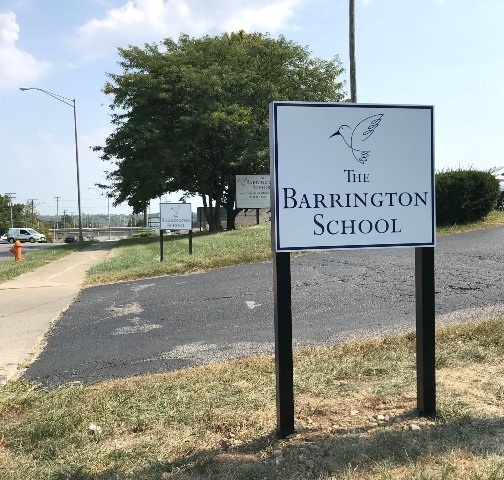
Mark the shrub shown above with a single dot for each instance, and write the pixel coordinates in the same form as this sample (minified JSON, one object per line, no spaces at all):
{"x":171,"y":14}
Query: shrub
{"x":464,"y":196}
{"x":145,"y":234}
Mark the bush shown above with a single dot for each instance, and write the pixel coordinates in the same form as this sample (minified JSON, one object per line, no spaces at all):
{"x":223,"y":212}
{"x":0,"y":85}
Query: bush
{"x":464,"y":196}
{"x":145,"y":234}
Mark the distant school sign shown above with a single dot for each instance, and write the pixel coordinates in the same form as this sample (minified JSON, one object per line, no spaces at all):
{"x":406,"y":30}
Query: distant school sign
{"x":351,"y":176}
{"x":175,"y":216}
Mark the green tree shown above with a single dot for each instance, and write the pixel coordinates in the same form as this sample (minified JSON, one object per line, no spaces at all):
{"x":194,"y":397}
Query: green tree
{"x":20,"y":214}
{"x":192,"y":114}
{"x":4,"y":214}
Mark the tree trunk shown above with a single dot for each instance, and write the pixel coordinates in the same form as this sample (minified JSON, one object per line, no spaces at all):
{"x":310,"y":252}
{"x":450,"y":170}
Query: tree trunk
{"x":231,"y":215}
{"x":229,"y":199}
{"x":212,"y":213}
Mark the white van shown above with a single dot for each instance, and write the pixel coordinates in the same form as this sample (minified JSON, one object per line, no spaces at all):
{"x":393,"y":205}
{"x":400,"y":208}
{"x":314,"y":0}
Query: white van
{"x":25,"y":235}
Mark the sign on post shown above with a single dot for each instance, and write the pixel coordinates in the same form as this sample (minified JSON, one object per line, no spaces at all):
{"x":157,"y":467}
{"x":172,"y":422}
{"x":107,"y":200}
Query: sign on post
{"x":253,"y":191}
{"x":349,"y":176}
{"x":175,"y":216}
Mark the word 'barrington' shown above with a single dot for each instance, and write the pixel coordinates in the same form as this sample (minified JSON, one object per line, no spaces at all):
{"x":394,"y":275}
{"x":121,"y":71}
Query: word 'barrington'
{"x":351,"y":176}
{"x":291,"y":199}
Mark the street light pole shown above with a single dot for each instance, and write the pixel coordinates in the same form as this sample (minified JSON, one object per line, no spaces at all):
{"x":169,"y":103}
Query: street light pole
{"x":71,"y":103}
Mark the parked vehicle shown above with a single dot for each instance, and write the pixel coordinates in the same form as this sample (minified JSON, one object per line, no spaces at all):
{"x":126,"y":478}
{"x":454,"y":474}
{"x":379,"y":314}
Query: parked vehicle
{"x":71,"y":239}
{"x":25,"y":234}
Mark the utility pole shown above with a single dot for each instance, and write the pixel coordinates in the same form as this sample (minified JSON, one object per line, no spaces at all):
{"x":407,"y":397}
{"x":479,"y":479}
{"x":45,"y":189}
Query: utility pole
{"x":32,"y":220}
{"x":353,"y":81}
{"x":10,"y":195}
{"x":108,"y":195}
{"x":56,"y":228}
{"x":57,"y":212}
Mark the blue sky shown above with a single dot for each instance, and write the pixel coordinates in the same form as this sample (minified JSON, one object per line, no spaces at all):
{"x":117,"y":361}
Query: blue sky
{"x":446,"y":53}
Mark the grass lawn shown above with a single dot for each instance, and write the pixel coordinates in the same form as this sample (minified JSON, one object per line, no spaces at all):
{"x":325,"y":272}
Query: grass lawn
{"x":355,"y":402}
{"x":137,"y":258}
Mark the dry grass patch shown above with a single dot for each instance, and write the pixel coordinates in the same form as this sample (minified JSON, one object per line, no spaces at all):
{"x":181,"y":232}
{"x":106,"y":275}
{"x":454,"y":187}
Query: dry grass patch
{"x":494,"y":219}
{"x":480,"y":385}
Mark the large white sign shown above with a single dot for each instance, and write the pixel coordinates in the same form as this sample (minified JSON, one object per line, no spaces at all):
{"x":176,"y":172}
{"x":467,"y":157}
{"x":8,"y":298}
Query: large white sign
{"x":175,"y":216}
{"x":351,"y":175}
{"x":253,"y":191}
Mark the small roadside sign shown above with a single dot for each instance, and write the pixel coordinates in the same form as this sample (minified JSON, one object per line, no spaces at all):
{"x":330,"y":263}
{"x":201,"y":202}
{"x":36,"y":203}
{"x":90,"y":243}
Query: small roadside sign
{"x":175,"y":216}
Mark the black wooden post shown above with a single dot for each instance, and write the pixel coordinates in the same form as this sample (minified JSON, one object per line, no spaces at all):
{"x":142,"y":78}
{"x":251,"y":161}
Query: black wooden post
{"x":425,"y":330}
{"x":257,"y":216}
{"x":161,"y":244}
{"x":190,"y":242}
{"x":283,"y":344}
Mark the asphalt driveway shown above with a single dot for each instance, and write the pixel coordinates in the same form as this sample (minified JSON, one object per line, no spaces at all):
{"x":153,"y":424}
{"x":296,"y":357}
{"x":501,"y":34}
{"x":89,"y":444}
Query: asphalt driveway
{"x":164,"y":324}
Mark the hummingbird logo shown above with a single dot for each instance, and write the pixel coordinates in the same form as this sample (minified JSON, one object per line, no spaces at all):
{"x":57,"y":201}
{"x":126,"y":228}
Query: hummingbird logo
{"x":357,"y":139}
{"x":175,"y":210}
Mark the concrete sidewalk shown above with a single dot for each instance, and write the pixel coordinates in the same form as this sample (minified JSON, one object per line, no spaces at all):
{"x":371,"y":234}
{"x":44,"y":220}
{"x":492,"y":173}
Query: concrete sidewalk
{"x":30,"y":304}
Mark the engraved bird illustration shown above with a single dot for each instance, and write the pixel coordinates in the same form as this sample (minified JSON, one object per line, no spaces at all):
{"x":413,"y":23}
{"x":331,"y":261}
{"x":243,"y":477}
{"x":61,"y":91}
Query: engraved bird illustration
{"x":357,"y":138}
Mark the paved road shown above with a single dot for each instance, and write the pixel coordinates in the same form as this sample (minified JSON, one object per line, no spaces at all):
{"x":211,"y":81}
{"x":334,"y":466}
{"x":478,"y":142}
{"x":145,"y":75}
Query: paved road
{"x":163,"y":324}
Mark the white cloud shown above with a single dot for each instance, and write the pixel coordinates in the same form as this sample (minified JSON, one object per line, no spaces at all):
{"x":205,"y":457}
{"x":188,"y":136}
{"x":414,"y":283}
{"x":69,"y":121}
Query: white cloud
{"x":17,"y":67}
{"x":269,"y":17}
{"x":144,"y":21}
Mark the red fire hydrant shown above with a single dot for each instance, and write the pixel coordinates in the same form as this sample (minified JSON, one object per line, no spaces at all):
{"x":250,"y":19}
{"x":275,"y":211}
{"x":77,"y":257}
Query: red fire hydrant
{"x":17,"y":250}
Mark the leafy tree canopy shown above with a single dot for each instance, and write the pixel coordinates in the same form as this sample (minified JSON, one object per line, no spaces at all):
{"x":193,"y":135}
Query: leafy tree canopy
{"x":192,"y":114}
